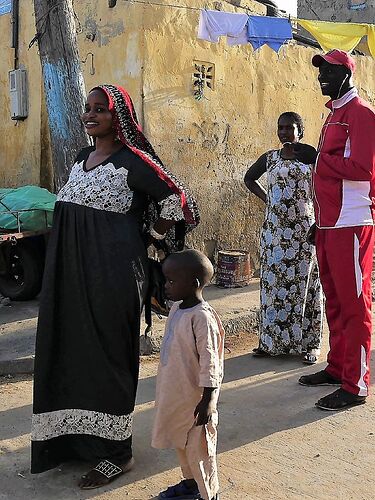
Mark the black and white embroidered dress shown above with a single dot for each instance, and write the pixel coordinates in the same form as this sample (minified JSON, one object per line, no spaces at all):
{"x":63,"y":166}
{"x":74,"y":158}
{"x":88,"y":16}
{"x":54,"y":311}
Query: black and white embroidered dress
{"x":87,"y":349}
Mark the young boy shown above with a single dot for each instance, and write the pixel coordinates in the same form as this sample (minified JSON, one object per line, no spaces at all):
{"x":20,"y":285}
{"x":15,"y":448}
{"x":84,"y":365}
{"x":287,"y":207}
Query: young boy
{"x":189,"y":378}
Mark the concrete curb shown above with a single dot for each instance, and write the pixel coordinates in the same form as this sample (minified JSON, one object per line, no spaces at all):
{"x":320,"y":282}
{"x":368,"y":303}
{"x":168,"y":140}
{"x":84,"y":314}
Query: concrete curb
{"x":241,"y":323}
{"x":23,"y":366}
{"x":148,"y":345}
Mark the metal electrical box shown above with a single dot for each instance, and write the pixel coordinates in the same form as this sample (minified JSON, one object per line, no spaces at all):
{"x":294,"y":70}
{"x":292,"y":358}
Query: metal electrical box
{"x":18,"y":94}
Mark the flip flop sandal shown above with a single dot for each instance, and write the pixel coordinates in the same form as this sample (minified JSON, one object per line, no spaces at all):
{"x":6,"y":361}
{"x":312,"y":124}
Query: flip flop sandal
{"x":340,"y":400}
{"x":259,"y":353}
{"x":310,"y":359}
{"x":110,"y":471}
{"x":180,"y":491}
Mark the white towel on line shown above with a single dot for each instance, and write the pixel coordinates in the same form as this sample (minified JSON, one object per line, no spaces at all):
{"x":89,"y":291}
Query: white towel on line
{"x":213,"y":24}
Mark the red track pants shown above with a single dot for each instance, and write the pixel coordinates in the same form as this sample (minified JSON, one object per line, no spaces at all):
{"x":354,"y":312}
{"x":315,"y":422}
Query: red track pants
{"x":345,"y":258}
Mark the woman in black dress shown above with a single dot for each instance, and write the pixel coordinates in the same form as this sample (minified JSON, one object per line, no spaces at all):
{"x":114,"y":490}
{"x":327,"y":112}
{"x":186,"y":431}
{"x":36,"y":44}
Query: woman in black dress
{"x":119,"y":198}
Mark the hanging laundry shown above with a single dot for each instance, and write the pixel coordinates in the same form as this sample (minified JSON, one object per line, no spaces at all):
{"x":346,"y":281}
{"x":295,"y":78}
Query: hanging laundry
{"x":271,"y":31}
{"x":213,"y":24}
{"x":343,"y":36}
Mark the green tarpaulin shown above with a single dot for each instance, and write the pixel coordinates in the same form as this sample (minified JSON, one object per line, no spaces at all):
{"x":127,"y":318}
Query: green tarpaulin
{"x":31,"y":206}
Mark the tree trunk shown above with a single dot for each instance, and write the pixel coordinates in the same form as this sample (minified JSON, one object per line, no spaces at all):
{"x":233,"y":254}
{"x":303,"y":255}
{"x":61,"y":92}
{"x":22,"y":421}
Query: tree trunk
{"x":63,"y":82}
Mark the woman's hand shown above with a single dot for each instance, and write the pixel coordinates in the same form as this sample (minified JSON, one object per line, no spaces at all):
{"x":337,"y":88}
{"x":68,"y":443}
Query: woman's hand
{"x":151,"y":241}
{"x":162,"y":226}
{"x":158,"y":232}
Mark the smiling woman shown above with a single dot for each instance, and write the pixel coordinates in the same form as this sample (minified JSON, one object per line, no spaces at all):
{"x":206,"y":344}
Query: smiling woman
{"x":119,"y":199}
{"x":98,"y":122}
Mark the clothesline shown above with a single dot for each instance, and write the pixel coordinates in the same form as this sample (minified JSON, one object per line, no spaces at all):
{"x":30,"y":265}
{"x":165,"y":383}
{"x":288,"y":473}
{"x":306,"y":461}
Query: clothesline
{"x":151,"y":3}
{"x":241,"y":29}
{"x":164,"y":5}
{"x":329,"y":35}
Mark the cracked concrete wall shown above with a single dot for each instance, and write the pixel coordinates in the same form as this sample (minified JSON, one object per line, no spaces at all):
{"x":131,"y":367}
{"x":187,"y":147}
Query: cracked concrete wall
{"x":210,"y":143}
{"x":352,"y":11}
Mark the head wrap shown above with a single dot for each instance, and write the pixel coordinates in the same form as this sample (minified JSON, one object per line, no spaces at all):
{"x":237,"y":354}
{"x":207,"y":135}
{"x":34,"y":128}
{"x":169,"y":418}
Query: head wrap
{"x":130,"y":134}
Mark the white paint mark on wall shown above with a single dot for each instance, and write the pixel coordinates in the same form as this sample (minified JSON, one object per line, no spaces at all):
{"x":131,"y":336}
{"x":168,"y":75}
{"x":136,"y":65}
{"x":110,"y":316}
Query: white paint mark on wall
{"x":133,"y":61}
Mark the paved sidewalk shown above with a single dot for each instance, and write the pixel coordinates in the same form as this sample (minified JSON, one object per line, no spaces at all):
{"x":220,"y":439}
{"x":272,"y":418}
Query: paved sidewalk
{"x":237,"y":307}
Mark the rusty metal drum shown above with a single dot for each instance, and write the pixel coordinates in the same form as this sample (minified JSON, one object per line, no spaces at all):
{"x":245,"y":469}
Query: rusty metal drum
{"x":233,"y":268}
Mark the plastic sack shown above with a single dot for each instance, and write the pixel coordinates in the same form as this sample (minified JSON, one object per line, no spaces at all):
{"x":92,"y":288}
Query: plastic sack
{"x":28,"y":208}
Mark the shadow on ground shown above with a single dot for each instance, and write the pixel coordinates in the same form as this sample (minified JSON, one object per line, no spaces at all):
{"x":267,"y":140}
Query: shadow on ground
{"x":19,"y":311}
{"x":260,"y":397}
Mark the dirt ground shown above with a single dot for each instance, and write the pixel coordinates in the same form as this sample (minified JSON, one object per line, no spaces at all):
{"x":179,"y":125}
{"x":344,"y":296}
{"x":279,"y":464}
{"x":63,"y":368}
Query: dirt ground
{"x":273,"y":443}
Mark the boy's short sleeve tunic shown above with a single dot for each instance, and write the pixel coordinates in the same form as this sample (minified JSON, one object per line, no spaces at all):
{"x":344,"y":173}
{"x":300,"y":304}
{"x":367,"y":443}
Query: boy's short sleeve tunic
{"x":191,"y":358}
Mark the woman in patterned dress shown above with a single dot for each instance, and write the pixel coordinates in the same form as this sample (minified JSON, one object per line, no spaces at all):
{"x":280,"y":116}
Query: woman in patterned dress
{"x":290,"y":291}
{"x":95,"y":283}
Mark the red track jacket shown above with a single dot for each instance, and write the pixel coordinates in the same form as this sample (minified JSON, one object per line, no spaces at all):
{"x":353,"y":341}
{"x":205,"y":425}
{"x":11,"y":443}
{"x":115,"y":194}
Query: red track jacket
{"x":344,"y":173}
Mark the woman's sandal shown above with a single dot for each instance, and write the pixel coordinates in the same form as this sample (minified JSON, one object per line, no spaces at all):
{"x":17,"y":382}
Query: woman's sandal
{"x":311,"y":357}
{"x":339,"y":400}
{"x":104,"y":473}
{"x":259,"y":353}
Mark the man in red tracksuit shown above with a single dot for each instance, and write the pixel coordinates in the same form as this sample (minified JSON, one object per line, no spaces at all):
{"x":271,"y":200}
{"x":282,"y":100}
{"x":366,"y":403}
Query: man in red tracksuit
{"x":344,"y":190}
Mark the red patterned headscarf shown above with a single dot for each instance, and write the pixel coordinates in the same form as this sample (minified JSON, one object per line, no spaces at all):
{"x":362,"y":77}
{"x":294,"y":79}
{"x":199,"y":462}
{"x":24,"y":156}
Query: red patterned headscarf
{"x":130,"y":134}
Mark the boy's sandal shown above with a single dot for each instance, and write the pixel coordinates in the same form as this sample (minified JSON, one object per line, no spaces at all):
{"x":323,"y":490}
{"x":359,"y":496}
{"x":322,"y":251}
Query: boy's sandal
{"x":259,"y":353}
{"x":180,"y":491}
{"x":339,"y":400}
{"x":319,"y":378}
{"x":310,"y":359}
{"x":104,"y":473}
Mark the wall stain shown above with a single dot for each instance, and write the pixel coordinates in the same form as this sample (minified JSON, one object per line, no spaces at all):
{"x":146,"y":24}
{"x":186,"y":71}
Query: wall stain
{"x":209,"y":133}
{"x":102,"y":33}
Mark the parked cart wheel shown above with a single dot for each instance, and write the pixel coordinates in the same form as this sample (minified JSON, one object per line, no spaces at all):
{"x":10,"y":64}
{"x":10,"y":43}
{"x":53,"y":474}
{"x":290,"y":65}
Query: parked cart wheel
{"x":22,"y":277}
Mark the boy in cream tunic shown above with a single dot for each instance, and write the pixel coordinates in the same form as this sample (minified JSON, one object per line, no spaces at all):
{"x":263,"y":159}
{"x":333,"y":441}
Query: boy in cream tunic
{"x":189,"y":378}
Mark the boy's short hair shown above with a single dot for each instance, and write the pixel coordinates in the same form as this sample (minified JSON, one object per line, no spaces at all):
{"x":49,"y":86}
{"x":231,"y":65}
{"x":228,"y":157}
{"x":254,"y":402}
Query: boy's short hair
{"x":196,"y":263}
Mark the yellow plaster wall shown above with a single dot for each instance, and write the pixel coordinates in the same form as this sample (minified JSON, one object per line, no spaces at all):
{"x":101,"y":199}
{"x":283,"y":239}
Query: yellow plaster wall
{"x":210,"y":143}
{"x":20,"y":141}
{"x":115,"y":38}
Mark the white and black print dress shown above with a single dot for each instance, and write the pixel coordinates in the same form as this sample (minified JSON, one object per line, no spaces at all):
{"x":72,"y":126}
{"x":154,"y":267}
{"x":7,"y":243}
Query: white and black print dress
{"x":87,"y":349}
{"x":291,"y":295}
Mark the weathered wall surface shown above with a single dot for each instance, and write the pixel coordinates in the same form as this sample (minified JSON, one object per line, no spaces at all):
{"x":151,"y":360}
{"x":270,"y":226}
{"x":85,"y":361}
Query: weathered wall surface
{"x":337,"y":10}
{"x":20,"y":140}
{"x":209,"y":143}
{"x":218,"y":137}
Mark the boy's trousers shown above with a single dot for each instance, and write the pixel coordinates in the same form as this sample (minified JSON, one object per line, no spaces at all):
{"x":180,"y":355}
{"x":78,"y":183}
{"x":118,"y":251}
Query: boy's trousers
{"x":198,"y":459}
{"x":345,"y":257}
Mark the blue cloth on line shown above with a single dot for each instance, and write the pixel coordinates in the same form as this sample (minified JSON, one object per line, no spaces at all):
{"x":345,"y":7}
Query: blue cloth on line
{"x":271,"y":31}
